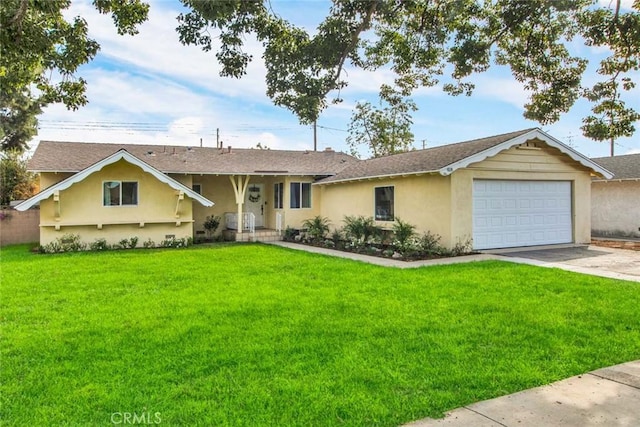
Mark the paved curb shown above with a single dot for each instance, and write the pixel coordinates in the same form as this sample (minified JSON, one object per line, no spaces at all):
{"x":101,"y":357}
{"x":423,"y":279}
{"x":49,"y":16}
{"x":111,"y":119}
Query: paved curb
{"x":605,"y":397}
{"x":388,"y":262}
{"x":385,"y":262}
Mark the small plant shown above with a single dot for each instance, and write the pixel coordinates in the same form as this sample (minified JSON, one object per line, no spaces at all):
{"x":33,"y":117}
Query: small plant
{"x":316,"y":227}
{"x":172,"y":242}
{"x":290,"y":234}
{"x":430,"y":243}
{"x":360,"y":230}
{"x":66,"y":243}
{"x":128,"y":243}
{"x":211,"y":224}
{"x":462,"y":247}
{"x":99,"y":245}
{"x":404,"y":234}
{"x":148,"y":244}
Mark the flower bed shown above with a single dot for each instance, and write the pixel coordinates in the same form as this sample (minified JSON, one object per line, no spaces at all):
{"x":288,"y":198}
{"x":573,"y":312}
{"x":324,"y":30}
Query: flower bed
{"x":361,"y":235}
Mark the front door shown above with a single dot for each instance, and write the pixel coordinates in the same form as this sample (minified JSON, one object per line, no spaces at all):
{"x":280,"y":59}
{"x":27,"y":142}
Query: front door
{"x":254,"y":202}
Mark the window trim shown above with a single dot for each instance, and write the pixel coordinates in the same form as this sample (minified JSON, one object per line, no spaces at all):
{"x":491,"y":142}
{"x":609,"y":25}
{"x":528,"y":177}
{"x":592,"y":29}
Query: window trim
{"x":393,"y":203}
{"x":278,"y":195}
{"x":120,"y":205}
{"x":301,"y":184}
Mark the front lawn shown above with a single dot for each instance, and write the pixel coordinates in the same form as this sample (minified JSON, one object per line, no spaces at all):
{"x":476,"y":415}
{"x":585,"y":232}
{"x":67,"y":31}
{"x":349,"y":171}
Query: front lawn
{"x":255,"y":335}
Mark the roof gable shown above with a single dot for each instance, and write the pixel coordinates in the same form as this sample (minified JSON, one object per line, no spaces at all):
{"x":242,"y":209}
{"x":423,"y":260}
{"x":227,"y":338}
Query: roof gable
{"x":446,"y":159}
{"x":115,"y":157}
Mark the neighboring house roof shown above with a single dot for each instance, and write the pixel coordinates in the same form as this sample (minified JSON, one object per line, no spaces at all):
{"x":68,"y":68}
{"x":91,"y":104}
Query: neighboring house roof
{"x":623,"y":167}
{"x":95,"y":167}
{"x":53,"y":156}
{"x":448,"y":158}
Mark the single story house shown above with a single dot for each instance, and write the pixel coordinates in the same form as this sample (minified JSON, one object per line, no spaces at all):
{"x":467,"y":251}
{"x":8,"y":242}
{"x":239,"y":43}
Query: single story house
{"x":517,"y":189}
{"x":615,"y":202}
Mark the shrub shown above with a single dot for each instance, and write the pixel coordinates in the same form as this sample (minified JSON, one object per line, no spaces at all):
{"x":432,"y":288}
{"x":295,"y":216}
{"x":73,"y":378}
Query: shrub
{"x":360,"y":230}
{"x":316,"y":227}
{"x":148,"y":244}
{"x":66,"y":243}
{"x":462,"y":247}
{"x":172,"y":242}
{"x":99,"y":245}
{"x":404,"y":234}
{"x":290,"y":234}
{"x":211,"y":224}
{"x":128,"y":243}
{"x":429,"y":243}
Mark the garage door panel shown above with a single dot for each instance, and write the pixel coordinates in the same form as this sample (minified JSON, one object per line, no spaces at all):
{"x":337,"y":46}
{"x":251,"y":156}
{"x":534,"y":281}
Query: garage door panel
{"x":521,"y":213}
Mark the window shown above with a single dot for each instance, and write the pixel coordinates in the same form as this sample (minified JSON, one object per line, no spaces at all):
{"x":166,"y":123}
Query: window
{"x":384,"y":203}
{"x":197,"y":188}
{"x":120,"y":193}
{"x":278,"y":195}
{"x":300,"y":195}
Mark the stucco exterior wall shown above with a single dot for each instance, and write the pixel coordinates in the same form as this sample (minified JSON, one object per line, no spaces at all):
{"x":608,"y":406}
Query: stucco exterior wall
{"x":423,"y":201}
{"x":444,"y":204}
{"x":47,"y":179}
{"x":615,"y":208}
{"x":80,"y":209}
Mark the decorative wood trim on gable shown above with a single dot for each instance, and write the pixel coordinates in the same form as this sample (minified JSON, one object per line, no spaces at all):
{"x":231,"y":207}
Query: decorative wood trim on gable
{"x":523,"y":140}
{"x":115,"y":157}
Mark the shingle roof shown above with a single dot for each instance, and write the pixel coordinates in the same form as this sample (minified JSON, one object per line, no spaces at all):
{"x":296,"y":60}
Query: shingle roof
{"x":623,"y":167}
{"x":117,"y":156}
{"x":55,"y":156}
{"x":428,"y":160}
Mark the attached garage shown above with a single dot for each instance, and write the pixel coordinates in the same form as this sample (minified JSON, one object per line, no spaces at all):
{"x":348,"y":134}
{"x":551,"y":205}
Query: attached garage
{"x":511,"y":213}
{"x":523,"y":188}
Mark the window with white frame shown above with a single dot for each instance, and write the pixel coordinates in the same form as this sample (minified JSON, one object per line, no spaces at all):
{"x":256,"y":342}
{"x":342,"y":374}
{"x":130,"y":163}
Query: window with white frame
{"x":120,"y":193}
{"x":384,"y":203}
{"x":300,"y":195}
{"x":278,"y":195}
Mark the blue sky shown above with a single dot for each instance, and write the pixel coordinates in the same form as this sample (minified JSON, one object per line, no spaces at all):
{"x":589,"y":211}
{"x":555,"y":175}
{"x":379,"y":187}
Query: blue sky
{"x":149,"y":89}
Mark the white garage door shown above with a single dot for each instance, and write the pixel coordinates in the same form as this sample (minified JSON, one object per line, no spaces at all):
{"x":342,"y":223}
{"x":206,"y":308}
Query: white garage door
{"x":508,"y":214}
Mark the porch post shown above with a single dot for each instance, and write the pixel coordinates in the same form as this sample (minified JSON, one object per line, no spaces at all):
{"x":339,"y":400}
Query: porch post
{"x":239,"y":188}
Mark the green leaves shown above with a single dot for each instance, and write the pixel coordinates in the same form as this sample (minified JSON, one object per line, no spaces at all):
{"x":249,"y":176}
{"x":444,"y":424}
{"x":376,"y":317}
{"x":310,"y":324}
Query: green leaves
{"x":419,"y":41}
{"x":620,"y":33}
{"x":385,"y":130}
{"x":41,"y":52}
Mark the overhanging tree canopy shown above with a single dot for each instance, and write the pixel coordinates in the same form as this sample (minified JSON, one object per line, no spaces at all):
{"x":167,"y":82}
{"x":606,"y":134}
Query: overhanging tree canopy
{"x":40,"y":52}
{"x":421,"y":41}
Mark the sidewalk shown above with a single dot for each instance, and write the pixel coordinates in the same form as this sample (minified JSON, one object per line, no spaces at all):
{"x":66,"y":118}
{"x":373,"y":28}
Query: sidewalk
{"x":606,"y":397}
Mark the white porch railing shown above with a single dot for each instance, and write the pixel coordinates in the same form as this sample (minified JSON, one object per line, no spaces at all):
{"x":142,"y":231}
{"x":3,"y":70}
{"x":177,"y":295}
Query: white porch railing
{"x":248,"y":221}
{"x":279,"y":222}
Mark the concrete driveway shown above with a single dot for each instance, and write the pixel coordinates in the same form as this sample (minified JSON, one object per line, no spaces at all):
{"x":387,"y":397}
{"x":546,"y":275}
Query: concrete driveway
{"x":595,"y":260}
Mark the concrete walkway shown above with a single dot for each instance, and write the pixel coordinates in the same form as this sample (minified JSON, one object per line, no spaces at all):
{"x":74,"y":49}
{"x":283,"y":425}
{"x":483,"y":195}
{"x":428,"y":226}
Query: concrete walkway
{"x":606,"y":397}
{"x":597,"y":261}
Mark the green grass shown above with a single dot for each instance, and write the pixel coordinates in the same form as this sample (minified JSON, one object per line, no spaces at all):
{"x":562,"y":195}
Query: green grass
{"x":237,"y":335}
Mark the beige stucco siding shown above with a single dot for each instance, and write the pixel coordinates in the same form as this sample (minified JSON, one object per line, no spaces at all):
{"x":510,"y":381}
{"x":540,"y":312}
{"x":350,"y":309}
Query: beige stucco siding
{"x":47,"y":179}
{"x":423,"y":201}
{"x":80,"y":209}
{"x":444,"y":204}
{"x":615,"y":208}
